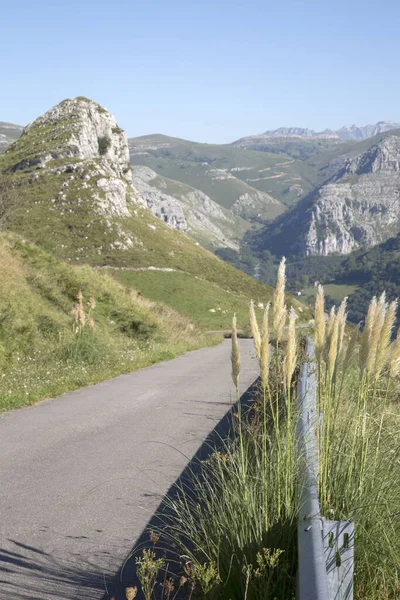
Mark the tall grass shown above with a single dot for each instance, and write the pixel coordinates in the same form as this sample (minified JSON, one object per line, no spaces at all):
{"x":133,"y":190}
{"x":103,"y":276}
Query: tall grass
{"x":359,"y":443}
{"x":233,"y":521}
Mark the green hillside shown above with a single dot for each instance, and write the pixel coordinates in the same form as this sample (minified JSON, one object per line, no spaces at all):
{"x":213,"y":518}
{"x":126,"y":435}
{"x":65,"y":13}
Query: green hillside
{"x":224,"y":172}
{"x":300,"y":148}
{"x":58,"y":210}
{"x":43,"y":354}
{"x":72,"y":223}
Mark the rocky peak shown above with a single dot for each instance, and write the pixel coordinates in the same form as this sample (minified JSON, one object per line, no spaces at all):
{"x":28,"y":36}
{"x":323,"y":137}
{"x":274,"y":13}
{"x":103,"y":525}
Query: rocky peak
{"x":76,"y":128}
{"x":75,"y":155}
{"x":383,"y":157}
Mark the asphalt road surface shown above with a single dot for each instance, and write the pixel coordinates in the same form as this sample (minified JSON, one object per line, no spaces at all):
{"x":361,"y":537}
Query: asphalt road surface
{"x":81,"y":475}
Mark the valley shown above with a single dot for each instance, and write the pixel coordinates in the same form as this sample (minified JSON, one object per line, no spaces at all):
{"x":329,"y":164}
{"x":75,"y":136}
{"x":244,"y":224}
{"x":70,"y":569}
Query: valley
{"x":291,"y":191}
{"x":74,"y":225}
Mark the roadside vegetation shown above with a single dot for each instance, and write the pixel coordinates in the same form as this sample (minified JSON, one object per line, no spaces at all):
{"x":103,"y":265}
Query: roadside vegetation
{"x":63,"y":326}
{"x":232,"y":524}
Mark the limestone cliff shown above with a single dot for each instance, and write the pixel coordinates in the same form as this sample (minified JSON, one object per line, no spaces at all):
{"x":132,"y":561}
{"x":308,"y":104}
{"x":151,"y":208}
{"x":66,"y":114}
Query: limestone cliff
{"x":189,"y":210}
{"x":358,"y":206}
{"x":82,"y":138}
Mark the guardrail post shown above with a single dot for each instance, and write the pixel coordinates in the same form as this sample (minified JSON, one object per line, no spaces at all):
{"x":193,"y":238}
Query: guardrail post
{"x":325,"y":548}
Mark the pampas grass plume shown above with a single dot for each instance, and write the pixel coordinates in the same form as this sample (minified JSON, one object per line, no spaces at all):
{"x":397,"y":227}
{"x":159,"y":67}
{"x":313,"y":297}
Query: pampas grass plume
{"x":382,"y":352}
{"x":255,"y":330}
{"x":235,"y":355}
{"x":329,"y":329}
{"x":279,"y":308}
{"x":365,"y":338}
{"x":351,"y":350}
{"x":265,"y":349}
{"x":376,"y":331}
{"x":319,"y":322}
{"x":290,"y":362}
{"x":342,"y":317}
{"x":333,"y":346}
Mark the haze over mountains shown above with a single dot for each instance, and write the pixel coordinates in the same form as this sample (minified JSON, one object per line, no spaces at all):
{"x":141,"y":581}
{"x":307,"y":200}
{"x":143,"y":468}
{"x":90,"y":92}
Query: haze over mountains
{"x":345,"y":133}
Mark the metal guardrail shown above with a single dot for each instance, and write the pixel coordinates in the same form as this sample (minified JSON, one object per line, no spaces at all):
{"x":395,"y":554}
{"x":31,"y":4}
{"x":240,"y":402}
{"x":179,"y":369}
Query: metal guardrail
{"x":325,"y":548}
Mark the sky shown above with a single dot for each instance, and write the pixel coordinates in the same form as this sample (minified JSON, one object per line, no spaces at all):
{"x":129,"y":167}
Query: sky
{"x":206,"y":70}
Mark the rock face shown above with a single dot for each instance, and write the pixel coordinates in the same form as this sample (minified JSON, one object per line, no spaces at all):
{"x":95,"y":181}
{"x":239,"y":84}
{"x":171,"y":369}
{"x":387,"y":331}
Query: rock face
{"x":187,"y":209}
{"x":82,"y":138}
{"x":358,"y":206}
{"x":250,"y":204}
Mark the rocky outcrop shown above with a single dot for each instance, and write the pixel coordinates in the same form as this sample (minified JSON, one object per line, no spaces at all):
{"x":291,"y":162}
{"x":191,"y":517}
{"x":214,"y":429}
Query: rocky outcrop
{"x":254,"y":204}
{"x":187,"y":209}
{"x":358,"y":206}
{"x":79,"y":136}
{"x":83,"y":129}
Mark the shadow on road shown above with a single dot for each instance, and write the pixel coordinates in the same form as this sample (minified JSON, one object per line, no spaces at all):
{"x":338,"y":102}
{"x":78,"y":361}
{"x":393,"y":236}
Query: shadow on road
{"x":38,"y":575}
{"x":28,"y":573}
{"x":126,"y":576}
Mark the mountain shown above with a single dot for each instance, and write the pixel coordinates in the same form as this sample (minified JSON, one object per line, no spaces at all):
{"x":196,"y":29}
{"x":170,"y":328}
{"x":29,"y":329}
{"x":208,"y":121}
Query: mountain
{"x":8,"y":134}
{"x":358,"y":206}
{"x":71,"y":176}
{"x":304,"y":144}
{"x":253,"y":184}
{"x":352,"y":132}
{"x":189,"y":210}
{"x":300,"y":132}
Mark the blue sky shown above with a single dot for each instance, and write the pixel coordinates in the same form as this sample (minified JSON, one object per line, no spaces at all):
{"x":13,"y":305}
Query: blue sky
{"x":211,"y":71}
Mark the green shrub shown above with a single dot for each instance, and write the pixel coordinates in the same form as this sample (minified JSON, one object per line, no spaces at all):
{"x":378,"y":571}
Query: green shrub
{"x":104,"y":144}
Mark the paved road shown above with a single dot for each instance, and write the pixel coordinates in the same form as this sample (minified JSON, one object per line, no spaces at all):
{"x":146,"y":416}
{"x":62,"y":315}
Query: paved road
{"x":81,"y":475}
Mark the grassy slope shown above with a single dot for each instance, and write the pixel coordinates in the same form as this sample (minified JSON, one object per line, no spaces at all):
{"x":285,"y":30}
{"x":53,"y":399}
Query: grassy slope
{"x":40,"y":356}
{"x":59,"y":214}
{"x":191,"y":163}
{"x":71,"y":230}
{"x":297,"y":147}
{"x":335,"y":291}
{"x":194,"y":297}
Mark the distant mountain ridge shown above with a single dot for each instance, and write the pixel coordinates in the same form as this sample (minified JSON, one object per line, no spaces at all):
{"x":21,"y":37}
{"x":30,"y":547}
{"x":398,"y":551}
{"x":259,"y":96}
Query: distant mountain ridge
{"x":345,"y":133}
